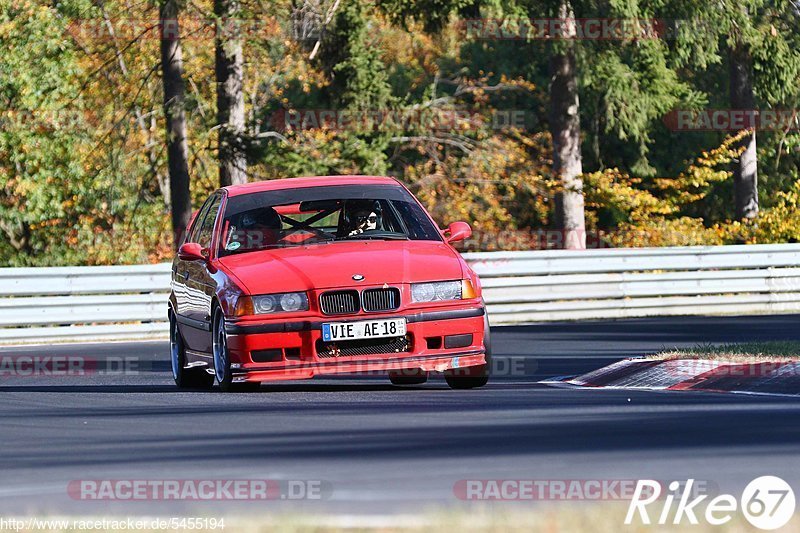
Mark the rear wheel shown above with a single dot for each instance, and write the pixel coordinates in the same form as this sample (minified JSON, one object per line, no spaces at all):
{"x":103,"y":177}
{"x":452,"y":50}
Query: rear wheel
{"x":415,"y":376}
{"x":222,"y":360}
{"x":474,"y":376}
{"x":185,"y":378}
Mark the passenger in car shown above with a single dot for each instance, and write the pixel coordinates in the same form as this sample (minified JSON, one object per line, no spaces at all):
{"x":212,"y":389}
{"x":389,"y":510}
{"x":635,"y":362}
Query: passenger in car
{"x":257,"y":228}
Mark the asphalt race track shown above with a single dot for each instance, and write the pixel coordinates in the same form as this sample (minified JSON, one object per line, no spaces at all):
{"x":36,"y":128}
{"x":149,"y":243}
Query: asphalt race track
{"x":379,"y":448}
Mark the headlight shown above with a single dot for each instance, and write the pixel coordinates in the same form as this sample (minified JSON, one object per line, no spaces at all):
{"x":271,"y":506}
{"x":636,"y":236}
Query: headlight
{"x":436,"y":292}
{"x":272,"y":303}
{"x":294,"y":301}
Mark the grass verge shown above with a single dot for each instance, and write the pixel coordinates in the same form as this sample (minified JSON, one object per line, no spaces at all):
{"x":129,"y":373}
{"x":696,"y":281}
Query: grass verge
{"x":749,"y":352}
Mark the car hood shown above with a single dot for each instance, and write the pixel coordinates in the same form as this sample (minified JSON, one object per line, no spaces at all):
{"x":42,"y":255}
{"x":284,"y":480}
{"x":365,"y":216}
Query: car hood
{"x":324,"y":266}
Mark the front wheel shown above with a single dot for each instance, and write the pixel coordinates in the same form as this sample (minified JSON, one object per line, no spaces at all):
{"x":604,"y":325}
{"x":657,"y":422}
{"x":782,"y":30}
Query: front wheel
{"x":474,"y":376}
{"x":185,"y":378}
{"x":222,"y":360}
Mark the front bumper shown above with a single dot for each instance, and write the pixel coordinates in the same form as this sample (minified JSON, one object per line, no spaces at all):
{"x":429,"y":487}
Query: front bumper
{"x":437,"y":339}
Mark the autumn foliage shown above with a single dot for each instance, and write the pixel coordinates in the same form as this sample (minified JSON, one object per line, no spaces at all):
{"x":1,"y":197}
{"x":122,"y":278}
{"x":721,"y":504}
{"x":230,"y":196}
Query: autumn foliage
{"x":462,"y":122}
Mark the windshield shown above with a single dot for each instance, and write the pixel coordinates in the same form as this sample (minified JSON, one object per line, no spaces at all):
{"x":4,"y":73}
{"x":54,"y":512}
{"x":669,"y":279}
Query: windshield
{"x":313,"y":215}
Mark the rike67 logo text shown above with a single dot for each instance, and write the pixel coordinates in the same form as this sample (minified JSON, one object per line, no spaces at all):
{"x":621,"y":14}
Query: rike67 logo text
{"x":767,"y":503}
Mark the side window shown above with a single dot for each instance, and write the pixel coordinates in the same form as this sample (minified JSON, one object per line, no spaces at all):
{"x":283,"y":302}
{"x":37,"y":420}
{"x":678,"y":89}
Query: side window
{"x":187,"y":235}
{"x":191,"y":236}
{"x":206,"y":232}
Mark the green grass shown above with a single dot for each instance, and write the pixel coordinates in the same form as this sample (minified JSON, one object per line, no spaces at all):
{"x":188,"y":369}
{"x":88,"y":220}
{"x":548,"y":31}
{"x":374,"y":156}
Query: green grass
{"x":777,"y":351}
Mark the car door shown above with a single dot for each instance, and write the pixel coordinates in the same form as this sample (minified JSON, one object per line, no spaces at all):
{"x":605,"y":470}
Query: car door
{"x":180,"y":273}
{"x":200,"y":287}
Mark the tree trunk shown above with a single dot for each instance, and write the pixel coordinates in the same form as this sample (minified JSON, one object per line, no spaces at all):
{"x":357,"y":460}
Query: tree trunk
{"x":230,"y":93}
{"x":566,"y":132}
{"x":745,"y":173}
{"x":174,"y":96}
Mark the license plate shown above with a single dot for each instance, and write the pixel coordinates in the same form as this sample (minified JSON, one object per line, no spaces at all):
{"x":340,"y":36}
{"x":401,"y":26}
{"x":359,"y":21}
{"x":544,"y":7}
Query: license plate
{"x":365,"y":329}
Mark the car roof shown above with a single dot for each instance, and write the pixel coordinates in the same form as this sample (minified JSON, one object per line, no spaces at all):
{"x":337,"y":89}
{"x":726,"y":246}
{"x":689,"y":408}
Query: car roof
{"x":308,"y":181}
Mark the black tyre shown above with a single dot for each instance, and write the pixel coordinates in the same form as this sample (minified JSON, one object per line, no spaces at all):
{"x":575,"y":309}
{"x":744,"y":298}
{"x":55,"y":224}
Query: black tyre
{"x":185,"y":378}
{"x":475,"y":376}
{"x":408,"y":377}
{"x":222,"y":360}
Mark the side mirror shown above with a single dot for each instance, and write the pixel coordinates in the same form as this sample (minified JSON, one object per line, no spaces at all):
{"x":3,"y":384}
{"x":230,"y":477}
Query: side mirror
{"x":458,"y":231}
{"x":191,"y":251}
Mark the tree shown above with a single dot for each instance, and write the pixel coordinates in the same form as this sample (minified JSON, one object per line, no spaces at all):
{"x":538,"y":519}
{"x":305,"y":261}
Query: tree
{"x":229,"y":71}
{"x":760,"y":42}
{"x":43,"y":143}
{"x":174,"y":111}
{"x":565,"y":128}
{"x":352,"y":62}
{"x":764,"y":63}
{"x":745,"y":172}
{"x":625,"y":79}
{"x":629,"y":84}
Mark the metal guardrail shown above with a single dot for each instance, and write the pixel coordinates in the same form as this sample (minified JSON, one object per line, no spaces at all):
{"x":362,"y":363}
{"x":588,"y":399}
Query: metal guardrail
{"x":40,"y":305}
{"x":639,"y":282}
{"x":83,"y":303}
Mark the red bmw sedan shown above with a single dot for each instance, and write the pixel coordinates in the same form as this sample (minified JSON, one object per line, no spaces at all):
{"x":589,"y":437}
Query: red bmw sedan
{"x":292,"y":278}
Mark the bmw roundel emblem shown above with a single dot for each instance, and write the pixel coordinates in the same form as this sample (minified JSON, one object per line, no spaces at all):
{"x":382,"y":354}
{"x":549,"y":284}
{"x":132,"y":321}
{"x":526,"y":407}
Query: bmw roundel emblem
{"x":358,"y":277}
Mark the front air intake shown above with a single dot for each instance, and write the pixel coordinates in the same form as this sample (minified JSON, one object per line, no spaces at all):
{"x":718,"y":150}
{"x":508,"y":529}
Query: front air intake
{"x":339,"y":302}
{"x":375,"y":300}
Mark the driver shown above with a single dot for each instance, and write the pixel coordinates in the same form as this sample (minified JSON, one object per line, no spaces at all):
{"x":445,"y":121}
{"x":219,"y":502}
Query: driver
{"x":364,"y":218}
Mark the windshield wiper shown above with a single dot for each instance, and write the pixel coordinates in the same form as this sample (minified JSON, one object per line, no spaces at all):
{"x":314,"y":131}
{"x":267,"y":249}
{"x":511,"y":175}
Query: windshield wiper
{"x":276,"y":246}
{"x":384,"y":237}
{"x":256,"y":249}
